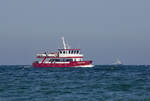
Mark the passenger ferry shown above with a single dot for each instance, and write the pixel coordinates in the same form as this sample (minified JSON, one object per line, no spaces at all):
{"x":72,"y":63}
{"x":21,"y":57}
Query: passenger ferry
{"x":65,"y":57}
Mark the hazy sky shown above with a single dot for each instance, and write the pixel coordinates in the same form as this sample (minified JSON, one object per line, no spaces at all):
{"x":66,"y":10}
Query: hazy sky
{"x":104,"y":29}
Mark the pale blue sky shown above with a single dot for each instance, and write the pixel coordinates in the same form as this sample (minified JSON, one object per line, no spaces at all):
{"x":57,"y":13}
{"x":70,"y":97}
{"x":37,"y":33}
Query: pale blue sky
{"x":103,"y":29}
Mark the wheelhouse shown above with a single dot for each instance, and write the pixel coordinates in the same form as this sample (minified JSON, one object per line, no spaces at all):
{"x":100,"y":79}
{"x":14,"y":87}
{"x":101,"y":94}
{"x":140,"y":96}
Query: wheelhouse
{"x":69,"y":51}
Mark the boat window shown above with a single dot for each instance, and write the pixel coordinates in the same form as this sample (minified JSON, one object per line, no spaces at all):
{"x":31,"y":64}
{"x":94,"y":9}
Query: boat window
{"x":60,"y":60}
{"x":64,"y":60}
{"x":60,"y":51}
{"x":67,"y":60}
{"x":77,"y":51}
{"x":72,"y":52}
{"x":69,"y":52}
{"x":57,"y":60}
{"x":51,"y":60}
{"x":64,"y":52}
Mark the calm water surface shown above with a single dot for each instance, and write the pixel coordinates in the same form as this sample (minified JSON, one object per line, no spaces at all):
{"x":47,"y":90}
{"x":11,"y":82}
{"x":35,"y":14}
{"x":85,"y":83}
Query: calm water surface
{"x":100,"y":83}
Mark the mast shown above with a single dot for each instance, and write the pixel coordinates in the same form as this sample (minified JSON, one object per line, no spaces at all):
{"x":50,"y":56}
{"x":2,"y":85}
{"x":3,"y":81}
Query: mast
{"x":64,"y":44}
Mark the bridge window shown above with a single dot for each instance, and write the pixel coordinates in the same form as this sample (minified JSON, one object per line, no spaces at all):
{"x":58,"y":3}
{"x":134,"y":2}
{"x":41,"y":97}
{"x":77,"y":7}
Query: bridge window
{"x":72,"y":52}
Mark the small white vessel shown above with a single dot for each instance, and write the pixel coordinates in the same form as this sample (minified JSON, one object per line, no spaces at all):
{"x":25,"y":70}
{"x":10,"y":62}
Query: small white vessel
{"x":118,"y":62}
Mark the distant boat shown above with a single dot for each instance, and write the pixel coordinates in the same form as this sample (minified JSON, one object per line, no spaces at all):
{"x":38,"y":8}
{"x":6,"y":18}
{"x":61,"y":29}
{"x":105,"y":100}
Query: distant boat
{"x":118,"y":62}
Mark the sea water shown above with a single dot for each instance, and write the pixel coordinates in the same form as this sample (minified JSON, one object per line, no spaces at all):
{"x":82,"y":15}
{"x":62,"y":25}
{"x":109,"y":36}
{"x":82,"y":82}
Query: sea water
{"x":100,"y":83}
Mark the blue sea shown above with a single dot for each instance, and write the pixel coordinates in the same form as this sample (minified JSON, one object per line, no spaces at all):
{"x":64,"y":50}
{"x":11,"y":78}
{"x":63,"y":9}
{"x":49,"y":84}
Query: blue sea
{"x":100,"y":83}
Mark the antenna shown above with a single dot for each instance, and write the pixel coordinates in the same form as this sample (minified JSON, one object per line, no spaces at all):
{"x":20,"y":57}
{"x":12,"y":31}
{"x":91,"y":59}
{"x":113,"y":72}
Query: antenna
{"x":64,"y":44}
{"x":68,"y":47}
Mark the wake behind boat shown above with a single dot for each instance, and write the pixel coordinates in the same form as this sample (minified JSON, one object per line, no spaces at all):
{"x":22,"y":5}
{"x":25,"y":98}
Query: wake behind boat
{"x":65,"y":57}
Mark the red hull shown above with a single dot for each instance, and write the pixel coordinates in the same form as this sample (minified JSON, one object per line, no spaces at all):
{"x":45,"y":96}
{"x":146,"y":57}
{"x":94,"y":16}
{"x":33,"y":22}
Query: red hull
{"x":71,"y":64}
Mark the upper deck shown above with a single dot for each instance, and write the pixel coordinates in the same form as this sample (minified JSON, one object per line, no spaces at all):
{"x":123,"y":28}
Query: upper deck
{"x":66,"y":52}
{"x":62,"y":53}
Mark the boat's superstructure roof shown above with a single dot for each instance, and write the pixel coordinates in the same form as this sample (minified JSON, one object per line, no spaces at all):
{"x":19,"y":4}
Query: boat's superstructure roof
{"x":67,"y":49}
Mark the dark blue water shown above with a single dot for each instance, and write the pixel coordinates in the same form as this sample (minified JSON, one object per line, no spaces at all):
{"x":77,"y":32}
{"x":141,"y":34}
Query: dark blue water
{"x":100,"y":83}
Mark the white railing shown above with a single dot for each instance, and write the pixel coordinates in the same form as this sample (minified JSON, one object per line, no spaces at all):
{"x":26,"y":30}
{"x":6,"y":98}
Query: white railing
{"x":44,"y":55}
